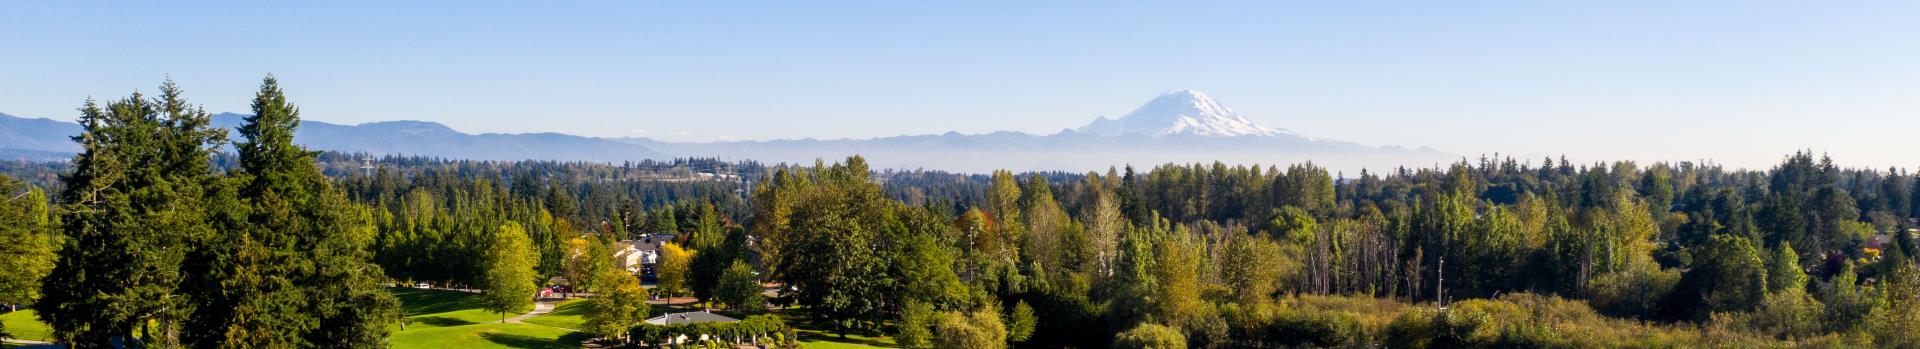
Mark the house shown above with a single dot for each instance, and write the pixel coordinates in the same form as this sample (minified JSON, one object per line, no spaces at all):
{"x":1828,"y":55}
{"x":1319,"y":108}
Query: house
{"x":639,"y":255}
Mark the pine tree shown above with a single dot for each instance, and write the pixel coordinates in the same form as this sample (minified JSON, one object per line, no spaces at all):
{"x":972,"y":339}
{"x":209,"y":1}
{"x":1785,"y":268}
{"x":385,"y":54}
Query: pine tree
{"x":135,"y":206}
{"x":290,"y":265}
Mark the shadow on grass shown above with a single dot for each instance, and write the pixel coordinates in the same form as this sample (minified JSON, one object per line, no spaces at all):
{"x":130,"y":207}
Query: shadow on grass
{"x":818,"y":331}
{"x":437,"y":321}
{"x":571,"y":309}
{"x":817,"y":336}
{"x":420,"y":302}
{"x":525,"y":341}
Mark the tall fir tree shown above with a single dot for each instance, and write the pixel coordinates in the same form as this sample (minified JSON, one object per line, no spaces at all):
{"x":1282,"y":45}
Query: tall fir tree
{"x":136,"y":203}
{"x":290,"y":268}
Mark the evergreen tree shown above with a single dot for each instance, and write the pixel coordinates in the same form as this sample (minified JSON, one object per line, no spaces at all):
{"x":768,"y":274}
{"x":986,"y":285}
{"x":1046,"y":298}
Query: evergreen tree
{"x":134,"y":207}
{"x":290,"y":266}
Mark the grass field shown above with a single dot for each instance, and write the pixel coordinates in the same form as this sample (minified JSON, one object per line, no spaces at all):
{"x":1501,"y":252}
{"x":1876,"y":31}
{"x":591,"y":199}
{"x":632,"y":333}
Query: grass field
{"x":490,"y":335}
{"x":23,"y":326}
{"x":812,"y":337}
{"x":450,"y":319}
{"x":570,"y":313}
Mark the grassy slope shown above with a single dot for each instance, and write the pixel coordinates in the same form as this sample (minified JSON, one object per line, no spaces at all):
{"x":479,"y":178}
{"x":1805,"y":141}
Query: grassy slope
{"x":568,"y":314}
{"x":814,"y":336}
{"x":448,"y":319}
{"x":491,"y":335}
{"x":23,"y":325}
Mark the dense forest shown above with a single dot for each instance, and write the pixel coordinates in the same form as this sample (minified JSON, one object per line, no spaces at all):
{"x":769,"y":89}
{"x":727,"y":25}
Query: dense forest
{"x":183,"y":235}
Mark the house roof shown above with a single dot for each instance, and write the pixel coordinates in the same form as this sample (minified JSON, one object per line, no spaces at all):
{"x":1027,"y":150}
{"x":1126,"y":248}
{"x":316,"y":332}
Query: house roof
{"x":649,"y":242}
{"x":689,"y":318}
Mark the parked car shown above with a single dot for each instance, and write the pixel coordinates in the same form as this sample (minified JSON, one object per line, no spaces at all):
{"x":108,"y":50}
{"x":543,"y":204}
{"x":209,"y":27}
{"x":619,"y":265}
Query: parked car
{"x":421,"y":285}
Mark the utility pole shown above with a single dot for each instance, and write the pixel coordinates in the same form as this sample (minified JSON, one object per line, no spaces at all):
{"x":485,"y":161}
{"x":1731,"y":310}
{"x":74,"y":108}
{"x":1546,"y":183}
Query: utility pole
{"x":366,"y":164}
{"x":1440,"y":287}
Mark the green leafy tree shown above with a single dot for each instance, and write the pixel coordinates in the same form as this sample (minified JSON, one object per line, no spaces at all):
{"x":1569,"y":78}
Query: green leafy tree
{"x":1783,"y":270}
{"x":509,"y":273}
{"x":1895,"y":321}
{"x":585,"y":260}
{"x":978,"y":329}
{"x":831,"y":260}
{"x":717,"y":253}
{"x":619,"y":304}
{"x":675,"y":263}
{"x":915,"y":329}
{"x":1021,"y":322}
{"x":1151,"y":336}
{"x":27,"y":242}
{"x":1251,"y":268}
{"x":740,"y":288}
{"x":1727,"y":276}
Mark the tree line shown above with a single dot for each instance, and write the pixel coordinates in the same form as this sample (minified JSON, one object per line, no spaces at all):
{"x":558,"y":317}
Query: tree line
{"x":156,"y":236}
{"x":1207,"y":252}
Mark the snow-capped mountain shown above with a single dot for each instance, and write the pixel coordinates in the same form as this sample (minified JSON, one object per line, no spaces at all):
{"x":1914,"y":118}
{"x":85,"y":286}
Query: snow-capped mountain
{"x":1180,"y":126}
{"x":1181,"y":112}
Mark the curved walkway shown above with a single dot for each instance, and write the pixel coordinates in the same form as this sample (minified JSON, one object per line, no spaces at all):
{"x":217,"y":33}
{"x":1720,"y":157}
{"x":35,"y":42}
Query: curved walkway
{"x":540,"y":307}
{"x":22,"y":343}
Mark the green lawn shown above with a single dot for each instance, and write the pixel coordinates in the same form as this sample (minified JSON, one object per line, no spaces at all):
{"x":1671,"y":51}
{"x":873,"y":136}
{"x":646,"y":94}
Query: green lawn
{"x":23,"y":325}
{"x":570,"y":313}
{"x":814,"y":335}
{"x":435,"y":319}
{"x":852,"y":341}
{"x":449,"y":319}
{"x":492,"y":335}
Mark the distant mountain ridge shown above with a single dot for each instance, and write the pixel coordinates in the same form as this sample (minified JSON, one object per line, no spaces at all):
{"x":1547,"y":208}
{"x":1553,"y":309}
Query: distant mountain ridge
{"x":38,"y":139}
{"x":1179,"y":126}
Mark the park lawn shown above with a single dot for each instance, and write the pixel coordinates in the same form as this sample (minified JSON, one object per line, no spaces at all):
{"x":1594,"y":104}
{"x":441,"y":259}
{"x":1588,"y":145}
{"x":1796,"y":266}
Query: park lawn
{"x":816,"y":337}
{"x":23,"y":325}
{"x":570,"y":313}
{"x":440,"y":308}
{"x":493,"y":335}
{"x":452,"y":319}
{"x":852,"y":341}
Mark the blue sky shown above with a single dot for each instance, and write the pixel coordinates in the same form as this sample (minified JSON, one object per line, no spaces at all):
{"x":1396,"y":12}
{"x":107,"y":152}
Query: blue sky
{"x":1742,"y":82}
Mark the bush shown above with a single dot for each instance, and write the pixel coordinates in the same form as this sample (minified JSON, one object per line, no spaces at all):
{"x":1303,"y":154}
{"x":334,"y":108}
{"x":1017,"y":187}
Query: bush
{"x":979,"y":329}
{"x":752,"y":326}
{"x":1150,"y":336}
{"x":1318,"y":329}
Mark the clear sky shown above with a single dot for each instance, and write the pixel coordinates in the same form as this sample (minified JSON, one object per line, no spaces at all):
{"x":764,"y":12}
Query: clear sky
{"x":1742,"y":82}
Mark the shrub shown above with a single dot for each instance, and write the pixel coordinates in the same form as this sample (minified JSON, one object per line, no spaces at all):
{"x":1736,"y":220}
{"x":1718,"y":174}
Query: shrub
{"x":1150,"y":336}
{"x":1314,"y":329}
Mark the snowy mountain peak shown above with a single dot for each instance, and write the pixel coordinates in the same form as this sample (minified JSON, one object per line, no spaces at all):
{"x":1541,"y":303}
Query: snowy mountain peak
{"x":1181,"y":112}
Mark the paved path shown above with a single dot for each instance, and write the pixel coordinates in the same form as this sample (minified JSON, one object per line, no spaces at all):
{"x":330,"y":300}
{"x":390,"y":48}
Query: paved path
{"x":21,"y":343}
{"x":540,"y":307}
